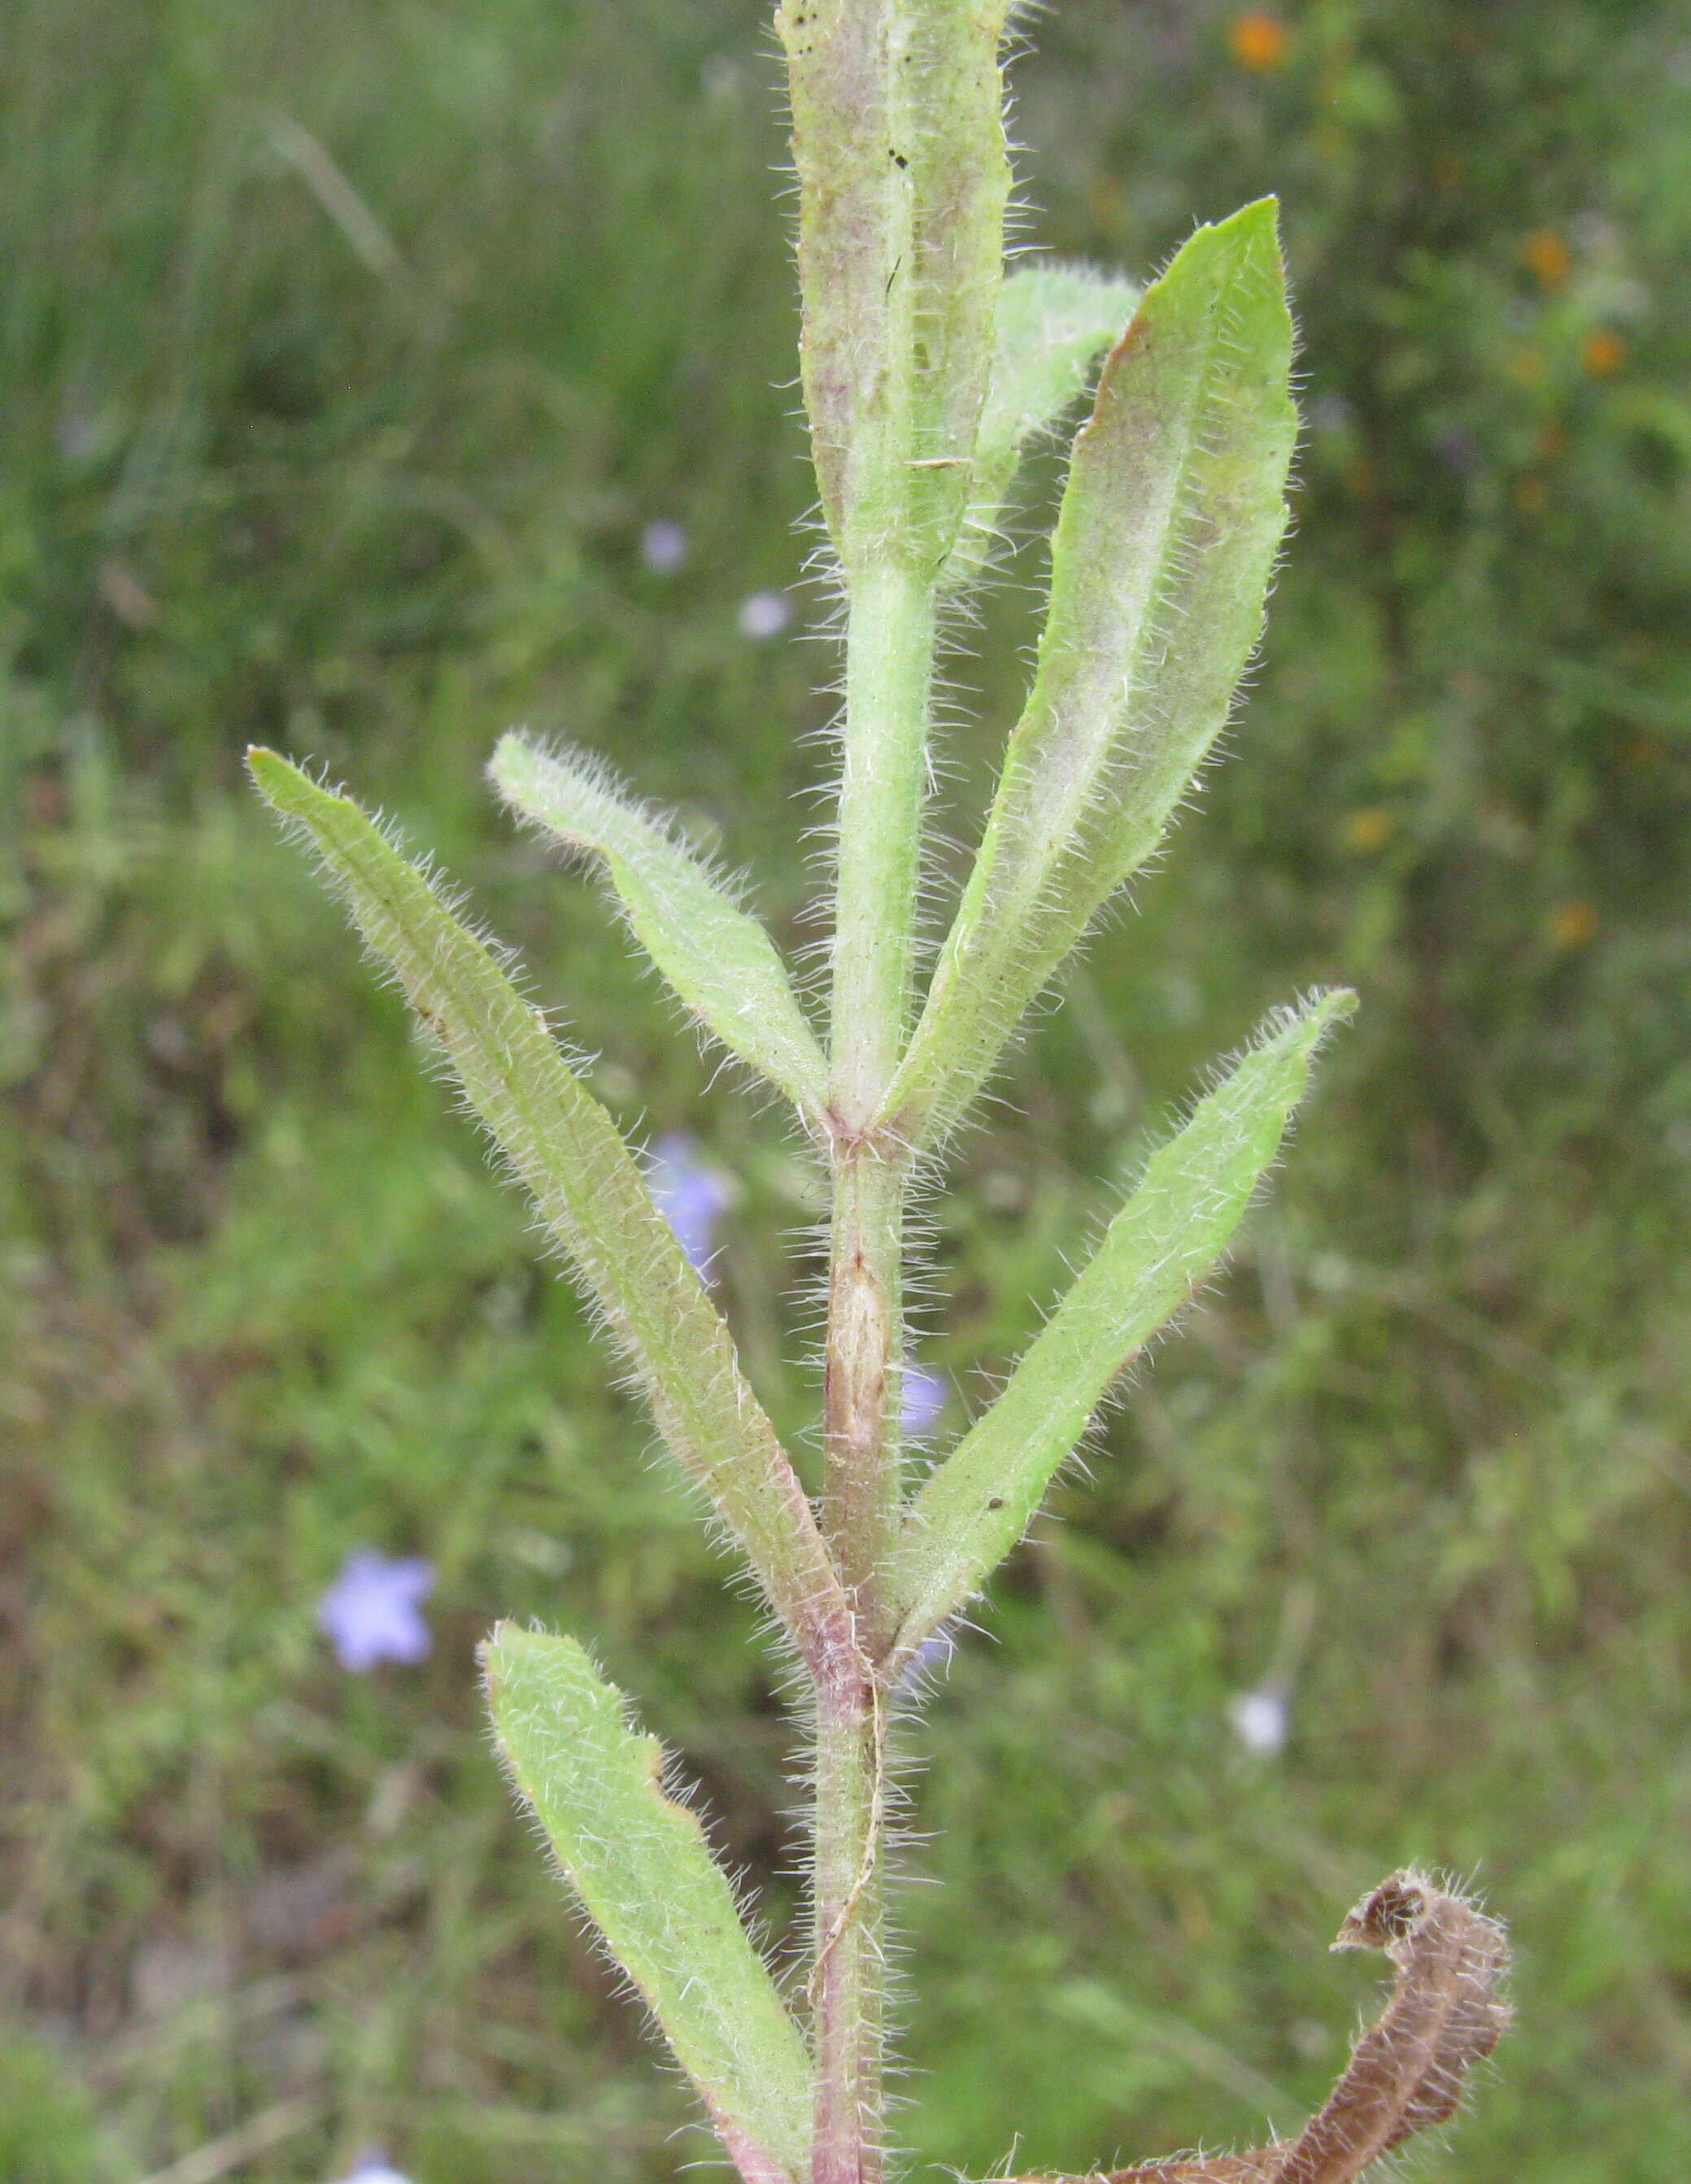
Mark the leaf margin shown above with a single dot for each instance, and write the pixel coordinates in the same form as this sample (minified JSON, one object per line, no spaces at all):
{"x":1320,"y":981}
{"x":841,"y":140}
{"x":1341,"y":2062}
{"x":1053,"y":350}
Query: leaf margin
{"x":534,"y":780}
{"x":673,"y":1892}
{"x":705,"y":1411}
{"x":978,"y":1501}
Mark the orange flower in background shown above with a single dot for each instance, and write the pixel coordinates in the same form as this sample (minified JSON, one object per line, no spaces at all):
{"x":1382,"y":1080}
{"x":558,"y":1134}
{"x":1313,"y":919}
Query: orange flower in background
{"x":1258,"y":40}
{"x":1572,"y":924}
{"x":1547,"y":258}
{"x":1367,"y":828}
{"x":1602,"y":352}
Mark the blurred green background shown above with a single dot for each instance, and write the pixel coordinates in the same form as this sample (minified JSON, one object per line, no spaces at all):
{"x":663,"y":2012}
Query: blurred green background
{"x":347,"y":347}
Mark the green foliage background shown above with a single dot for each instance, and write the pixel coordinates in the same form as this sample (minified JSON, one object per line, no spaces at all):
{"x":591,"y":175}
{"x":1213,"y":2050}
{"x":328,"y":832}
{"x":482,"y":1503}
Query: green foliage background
{"x":345,"y":348}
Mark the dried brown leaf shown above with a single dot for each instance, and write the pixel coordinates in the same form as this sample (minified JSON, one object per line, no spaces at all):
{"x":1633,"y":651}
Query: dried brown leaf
{"x":1407,"y":2071}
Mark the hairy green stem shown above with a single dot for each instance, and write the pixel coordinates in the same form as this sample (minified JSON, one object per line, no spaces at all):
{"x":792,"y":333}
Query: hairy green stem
{"x":889,"y":663}
{"x":863,"y":1498}
{"x":846,"y":1981}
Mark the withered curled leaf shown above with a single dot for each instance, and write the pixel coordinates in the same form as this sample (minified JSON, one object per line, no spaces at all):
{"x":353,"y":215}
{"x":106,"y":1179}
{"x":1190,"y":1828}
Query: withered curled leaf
{"x":1407,"y":2071}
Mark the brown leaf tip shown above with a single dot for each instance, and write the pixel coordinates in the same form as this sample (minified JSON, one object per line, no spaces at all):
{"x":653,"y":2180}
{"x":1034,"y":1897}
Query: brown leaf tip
{"x":1408,"y":2070}
{"x":1391,"y":1913}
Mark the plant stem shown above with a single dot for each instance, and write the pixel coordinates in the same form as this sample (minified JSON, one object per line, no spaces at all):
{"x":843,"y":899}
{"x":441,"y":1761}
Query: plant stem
{"x":846,"y":1982}
{"x":862,"y":1495}
{"x":889,"y":659}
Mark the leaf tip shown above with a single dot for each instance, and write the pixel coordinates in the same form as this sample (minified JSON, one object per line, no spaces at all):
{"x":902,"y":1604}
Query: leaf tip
{"x":286,"y":788}
{"x":268,"y":771}
{"x":1335,"y":1004}
{"x":509,"y":753}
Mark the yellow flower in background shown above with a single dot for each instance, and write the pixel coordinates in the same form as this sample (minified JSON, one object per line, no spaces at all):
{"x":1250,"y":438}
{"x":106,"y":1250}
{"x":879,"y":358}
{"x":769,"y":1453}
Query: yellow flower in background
{"x":1548,"y":259}
{"x":1572,"y":924}
{"x":1368,"y":828}
{"x":1258,"y":40}
{"x":1603,"y":352}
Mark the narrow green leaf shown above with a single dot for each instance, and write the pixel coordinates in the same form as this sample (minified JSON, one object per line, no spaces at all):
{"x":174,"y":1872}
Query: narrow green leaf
{"x":898,"y":139}
{"x":1052,"y":321}
{"x":1171,"y":521}
{"x":591,"y":1195}
{"x":1155,"y":1253}
{"x":719,"y":959}
{"x":638,"y":1861}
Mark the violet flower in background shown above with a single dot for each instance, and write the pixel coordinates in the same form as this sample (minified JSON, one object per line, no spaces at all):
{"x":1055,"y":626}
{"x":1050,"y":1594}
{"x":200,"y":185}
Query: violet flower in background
{"x":373,"y":1611}
{"x":664,"y":547}
{"x":373,"y":2168}
{"x":924,"y":1398}
{"x":764,"y":615}
{"x":930,"y":1661}
{"x":691,"y":1195}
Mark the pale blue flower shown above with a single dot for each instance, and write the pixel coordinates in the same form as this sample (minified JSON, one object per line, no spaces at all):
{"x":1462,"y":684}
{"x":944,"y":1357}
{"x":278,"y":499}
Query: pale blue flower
{"x":689,"y":1193}
{"x":664,"y":547}
{"x":925,"y":1395}
{"x":1261,"y":1719}
{"x":373,"y":1611}
{"x":930,"y":1661}
{"x":372,"y":2168}
{"x":764,"y":615}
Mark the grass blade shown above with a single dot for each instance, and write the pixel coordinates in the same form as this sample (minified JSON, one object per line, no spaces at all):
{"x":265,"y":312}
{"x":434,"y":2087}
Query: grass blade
{"x":1155,"y":1253}
{"x":564,"y":1146}
{"x":1171,"y":521}
{"x":638,"y":1861}
{"x":718,"y":959}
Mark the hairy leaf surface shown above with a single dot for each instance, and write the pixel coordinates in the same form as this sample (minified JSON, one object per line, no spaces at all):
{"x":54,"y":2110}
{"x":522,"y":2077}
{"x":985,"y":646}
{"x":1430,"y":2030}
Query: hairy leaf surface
{"x":898,"y":137}
{"x":1170,"y":519}
{"x":1052,"y":321}
{"x":639,"y":1862}
{"x":589,"y":1191}
{"x":1158,"y":1249}
{"x":719,"y":959}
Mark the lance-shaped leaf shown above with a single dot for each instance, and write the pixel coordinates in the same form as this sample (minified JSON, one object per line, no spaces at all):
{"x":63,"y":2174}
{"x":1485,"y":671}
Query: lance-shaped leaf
{"x":719,"y":959}
{"x":563,"y":1145}
{"x":1160,"y":1247}
{"x":1170,"y":519}
{"x":1408,"y":2069}
{"x":637,"y":1860}
{"x":1052,"y":321}
{"x":898,"y":139}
